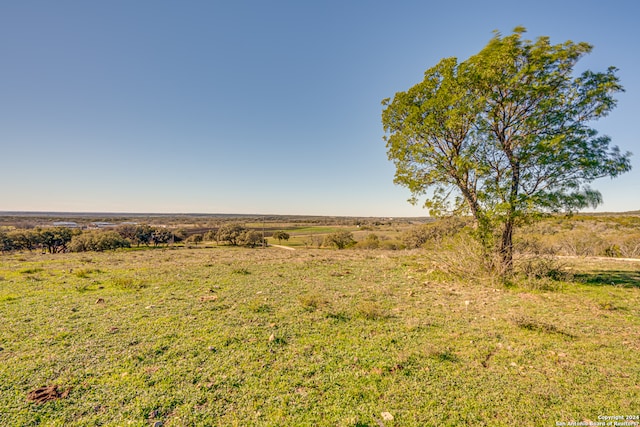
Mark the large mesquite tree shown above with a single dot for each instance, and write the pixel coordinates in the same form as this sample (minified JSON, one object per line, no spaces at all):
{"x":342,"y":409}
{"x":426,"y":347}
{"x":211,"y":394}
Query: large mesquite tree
{"x":505,"y":134}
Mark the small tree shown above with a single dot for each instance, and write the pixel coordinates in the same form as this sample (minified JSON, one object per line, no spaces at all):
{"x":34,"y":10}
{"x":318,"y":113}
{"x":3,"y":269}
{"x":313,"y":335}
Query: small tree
{"x":505,"y":135}
{"x":6,"y":242}
{"x":162,"y":236}
{"x":211,"y":236}
{"x":55,"y":239}
{"x":230,"y":233}
{"x":250,"y":238}
{"x":339,"y":239}
{"x":143,"y":234}
{"x":281,"y":235}
{"x":195,"y":238}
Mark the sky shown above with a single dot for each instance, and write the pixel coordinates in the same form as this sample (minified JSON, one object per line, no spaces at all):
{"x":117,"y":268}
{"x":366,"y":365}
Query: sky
{"x":254,"y":107}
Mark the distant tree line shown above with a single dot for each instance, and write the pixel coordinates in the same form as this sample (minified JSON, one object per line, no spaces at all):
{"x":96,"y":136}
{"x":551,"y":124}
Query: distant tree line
{"x":63,"y":239}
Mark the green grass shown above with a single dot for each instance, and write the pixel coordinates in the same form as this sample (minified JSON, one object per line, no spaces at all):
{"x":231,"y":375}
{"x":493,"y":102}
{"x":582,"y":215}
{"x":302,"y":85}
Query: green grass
{"x":231,"y":336}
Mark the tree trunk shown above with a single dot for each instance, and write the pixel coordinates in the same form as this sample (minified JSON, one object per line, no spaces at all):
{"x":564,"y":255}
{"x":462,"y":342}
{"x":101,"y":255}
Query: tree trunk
{"x":506,"y":247}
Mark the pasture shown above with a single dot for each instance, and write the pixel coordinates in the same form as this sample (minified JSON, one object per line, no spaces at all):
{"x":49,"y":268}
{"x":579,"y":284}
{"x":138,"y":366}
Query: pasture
{"x":235,"y":336}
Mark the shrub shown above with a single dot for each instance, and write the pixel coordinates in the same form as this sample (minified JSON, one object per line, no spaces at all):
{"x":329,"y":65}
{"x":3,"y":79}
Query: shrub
{"x":372,"y":241}
{"x":251,"y":238}
{"x":434,"y":232}
{"x":281,"y":235}
{"x":339,"y":239}
{"x":98,"y":241}
{"x":230,"y":233}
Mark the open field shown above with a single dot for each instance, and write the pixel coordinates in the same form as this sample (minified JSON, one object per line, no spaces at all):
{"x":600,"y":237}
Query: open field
{"x":234,"y":336}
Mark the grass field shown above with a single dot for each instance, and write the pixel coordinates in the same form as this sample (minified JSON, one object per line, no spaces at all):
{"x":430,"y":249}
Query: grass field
{"x":230,"y":336}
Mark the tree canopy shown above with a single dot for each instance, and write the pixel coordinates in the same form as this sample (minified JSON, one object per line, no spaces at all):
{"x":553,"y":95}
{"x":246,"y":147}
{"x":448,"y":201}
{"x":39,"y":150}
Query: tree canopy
{"x":505,"y":134}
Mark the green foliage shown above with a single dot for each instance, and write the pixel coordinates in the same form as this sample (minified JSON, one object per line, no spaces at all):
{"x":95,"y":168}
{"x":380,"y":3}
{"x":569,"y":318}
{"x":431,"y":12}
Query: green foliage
{"x":505,"y":134}
{"x":55,"y":240}
{"x":372,"y":241}
{"x":6,"y":243}
{"x":339,"y":239}
{"x":194,"y":238}
{"x":251,"y":238}
{"x":98,"y":241}
{"x":281,"y":235}
{"x":230,"y":233}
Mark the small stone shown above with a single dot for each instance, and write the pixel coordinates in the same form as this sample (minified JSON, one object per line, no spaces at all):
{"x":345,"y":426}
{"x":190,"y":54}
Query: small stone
{"x":157,"y":424}
{"x":272,"y":337}
{"x":387,"y":416}
{"x":100,"y":301}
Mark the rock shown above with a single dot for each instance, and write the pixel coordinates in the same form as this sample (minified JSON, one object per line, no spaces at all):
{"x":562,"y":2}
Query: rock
{"x":387,"y":416}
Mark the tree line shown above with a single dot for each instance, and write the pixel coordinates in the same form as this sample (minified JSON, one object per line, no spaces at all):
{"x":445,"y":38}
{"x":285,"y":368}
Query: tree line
{"x":62,"y":239}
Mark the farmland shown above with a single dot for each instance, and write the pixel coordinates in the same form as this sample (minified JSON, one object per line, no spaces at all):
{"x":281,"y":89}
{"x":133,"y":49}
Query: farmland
{"x":219,"y":335}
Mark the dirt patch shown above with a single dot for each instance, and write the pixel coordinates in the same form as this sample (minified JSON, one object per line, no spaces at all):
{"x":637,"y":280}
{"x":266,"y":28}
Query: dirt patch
{"x":45,"y":394}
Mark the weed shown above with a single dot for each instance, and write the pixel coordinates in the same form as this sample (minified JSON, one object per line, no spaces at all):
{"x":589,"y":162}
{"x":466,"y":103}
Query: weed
{"x":127,"y":283}
{"x":31,"y":270}
{"x":371,"y":310}
{"x":84,"y":287}
{"x":445,"y":356}
{"x":312,"y":301}
{"x":608,"y":306}
{"x":534,"y":325}
{"x":339,"y":316}
{"x":83,"y":273}
{"x":259,"y":307}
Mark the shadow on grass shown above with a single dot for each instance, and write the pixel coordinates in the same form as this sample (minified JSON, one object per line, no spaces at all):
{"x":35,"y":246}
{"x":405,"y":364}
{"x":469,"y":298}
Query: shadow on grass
{"x":624,"y":278}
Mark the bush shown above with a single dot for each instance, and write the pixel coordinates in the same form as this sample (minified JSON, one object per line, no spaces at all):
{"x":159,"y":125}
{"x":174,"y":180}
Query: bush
{"x":339,"y":239}
{"x":194,"y":238}
{"x":435,"y":232}
{"x":98,"y":241}
{"x":230,"y":233}
{"x":372,"y":241}
{"x":281,"y":235}
{"x":251,"y":238}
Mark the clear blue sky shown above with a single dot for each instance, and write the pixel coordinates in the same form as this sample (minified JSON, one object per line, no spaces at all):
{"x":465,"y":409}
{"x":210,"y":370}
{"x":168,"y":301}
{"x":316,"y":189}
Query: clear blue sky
{"x":253,"y":106}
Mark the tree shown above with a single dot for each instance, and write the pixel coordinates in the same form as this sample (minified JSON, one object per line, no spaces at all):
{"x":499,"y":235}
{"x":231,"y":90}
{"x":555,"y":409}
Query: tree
{"x":161,"y":236}
{"x":339,"y":239}
{"x":6,"y":242}
{"x":99,"y":241}
{"x":251,"y":238}
{"x":55,"y":240}
{"x":230,"y":233}
{"x":195,"y":238}
{"x":281,"y":235}
{"x":25,"y":239}
{"x":505,"y":135}
{"x":143,"y":234}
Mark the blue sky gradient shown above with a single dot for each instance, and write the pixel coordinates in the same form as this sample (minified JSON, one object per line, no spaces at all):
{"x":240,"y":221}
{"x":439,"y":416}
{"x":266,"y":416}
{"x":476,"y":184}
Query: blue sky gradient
{"x":253,"y":106}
